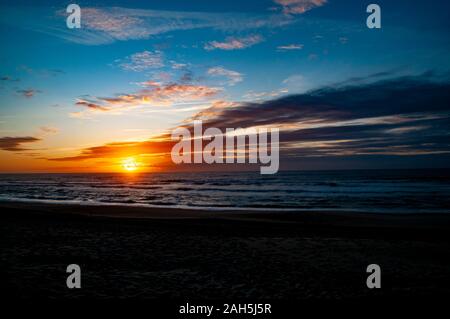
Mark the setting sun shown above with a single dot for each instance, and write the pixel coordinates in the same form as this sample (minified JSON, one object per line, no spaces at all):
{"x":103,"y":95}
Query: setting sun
{"x":129,"y":164}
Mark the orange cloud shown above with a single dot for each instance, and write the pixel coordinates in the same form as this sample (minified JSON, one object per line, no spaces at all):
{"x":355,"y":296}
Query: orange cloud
{"x":155,"y":94}
{"x":154,"y":154}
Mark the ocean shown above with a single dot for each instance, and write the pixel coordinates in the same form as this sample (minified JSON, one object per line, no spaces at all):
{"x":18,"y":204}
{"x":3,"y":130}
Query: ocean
{"x":396,"y":191}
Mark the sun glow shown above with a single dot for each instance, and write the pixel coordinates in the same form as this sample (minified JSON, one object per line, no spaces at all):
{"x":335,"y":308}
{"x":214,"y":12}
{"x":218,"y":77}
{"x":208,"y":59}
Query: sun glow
{"x":130,"y":164}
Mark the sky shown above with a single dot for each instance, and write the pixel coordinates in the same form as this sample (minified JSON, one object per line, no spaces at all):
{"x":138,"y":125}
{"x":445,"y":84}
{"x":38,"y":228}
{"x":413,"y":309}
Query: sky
{"x":343,"y":96}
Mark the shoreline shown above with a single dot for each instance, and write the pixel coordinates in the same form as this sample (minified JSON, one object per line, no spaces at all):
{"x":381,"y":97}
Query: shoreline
{"x":111,"y":210}
{"x":228,"y":209}
{"x":321,"y":223}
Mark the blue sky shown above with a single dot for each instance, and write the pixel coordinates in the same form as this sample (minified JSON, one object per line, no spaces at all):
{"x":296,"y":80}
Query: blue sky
{"x":139,"y":68}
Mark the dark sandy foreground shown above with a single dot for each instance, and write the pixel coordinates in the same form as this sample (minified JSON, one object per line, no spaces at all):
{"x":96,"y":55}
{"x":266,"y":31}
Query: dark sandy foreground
{"x":170,"y":253}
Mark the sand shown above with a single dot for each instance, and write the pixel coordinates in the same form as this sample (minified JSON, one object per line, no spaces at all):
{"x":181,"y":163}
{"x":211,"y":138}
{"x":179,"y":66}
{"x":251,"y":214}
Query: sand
{"x":138,"y":252}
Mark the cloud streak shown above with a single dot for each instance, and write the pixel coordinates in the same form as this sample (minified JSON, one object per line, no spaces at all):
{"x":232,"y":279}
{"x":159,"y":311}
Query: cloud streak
{"x":232,"y":77}
{"x":233,"y":43}
{"x":290,"y":47}
{"x":142,"y":61}
{"x":154,"y":94}
{"x":299,"y":6}
{"x":28,"y":93}
{"x":105,"y":25}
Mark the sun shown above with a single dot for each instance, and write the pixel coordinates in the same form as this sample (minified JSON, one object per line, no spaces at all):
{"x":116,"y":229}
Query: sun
{"x":129,"y":164}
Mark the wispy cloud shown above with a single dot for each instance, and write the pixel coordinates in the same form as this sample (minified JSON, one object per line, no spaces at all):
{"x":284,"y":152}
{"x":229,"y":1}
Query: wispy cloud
{"x":233,"y":43}
{"x":49,"y":129}
{"x":45,"y":73}
{"x":7,"y":78}
{"x":299,"y":6}
{"x":296,"y":83}
{"x":154,"y":94}
{"x":290,"y":47}
{"x":50,"y":72}
{"x":28,"y":93}
{"x":232,"y":77}
{"x":105,"y":25}
{"x":343,"y":40}
{"x":116,"y":24}
{"x":92,"y":106}
{"x":142,"y":61}
{"x":406,"y":129}
{"x":258,"y":96}
{"x":178,"y":66}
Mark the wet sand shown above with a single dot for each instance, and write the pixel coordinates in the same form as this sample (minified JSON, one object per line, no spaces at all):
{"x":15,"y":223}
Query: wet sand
{"x":138,"y":252}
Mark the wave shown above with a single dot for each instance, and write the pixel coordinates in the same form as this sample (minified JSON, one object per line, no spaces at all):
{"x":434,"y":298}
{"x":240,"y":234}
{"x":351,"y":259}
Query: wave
{"x":364,"y":190}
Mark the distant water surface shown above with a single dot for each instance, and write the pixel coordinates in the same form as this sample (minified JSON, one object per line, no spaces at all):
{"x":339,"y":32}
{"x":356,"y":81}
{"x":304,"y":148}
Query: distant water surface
{"x":361,"y":190}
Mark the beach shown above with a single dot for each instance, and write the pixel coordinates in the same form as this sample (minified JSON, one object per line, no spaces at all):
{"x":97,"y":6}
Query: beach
{"x":198,"y":154}
{"x":146,"y":253}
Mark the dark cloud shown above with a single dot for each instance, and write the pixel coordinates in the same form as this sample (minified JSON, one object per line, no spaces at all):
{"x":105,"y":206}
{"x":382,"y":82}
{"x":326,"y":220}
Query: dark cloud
{"x":92,"y":106}
{"x":7,"y":78}
{"x":14,"y":144}
{"x":404,"y":95}
{"x":399,"y":116}
{"x":187,"y":77}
